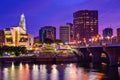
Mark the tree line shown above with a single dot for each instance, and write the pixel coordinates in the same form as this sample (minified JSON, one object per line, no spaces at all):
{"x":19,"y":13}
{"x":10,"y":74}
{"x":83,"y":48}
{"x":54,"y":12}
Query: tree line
{"x":12,"y":50}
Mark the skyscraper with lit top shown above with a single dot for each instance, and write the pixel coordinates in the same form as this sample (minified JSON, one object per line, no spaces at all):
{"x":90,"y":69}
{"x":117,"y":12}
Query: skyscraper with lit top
{"x":16,"y":35}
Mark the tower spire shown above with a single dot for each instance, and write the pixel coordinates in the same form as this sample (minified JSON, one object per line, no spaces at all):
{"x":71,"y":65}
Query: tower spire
{"x":22,"y":22}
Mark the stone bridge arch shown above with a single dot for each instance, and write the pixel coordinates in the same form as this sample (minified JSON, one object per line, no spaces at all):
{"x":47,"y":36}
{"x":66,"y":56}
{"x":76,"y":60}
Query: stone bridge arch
{"x":99,"y":55}
{"x":113,"y":52}
{"x":108,"y":54}
{"x":87,"y":56}
{"x":95,"y":55}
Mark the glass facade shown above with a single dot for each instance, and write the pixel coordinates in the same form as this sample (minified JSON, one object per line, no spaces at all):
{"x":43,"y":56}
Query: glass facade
{"x":85,"y":24}
{"x":47,"y":32}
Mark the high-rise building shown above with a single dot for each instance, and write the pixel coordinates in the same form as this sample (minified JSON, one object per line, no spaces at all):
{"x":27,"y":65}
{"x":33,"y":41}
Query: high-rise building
{"x":107,"y":32}
{"x":118,"y":34}
{"x":71,"y":28}
{"x":65,"y":33}
{"x":47,"y":32}
{"x":85,"y":24}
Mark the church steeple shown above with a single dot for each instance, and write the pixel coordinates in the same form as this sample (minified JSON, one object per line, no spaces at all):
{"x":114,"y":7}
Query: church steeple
{"x":22,"y":22}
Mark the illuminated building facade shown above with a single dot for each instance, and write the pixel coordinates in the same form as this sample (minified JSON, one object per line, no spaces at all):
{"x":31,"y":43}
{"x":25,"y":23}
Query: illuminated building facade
{"x":64,"y":33}
{"x":47,"y":32}
{"x":2,"y":38}
{"x":16,"y":35}
{"x":71,"y":29}
{"x":85,"y":24}
{"x":118,"y":34}
{"x":107,"y":32}
{"x":36,"y":39}
{"x":30,"y":39}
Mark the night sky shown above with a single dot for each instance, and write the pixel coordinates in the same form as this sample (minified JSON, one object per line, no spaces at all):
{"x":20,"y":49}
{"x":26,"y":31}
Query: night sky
{"x":39,"y":13}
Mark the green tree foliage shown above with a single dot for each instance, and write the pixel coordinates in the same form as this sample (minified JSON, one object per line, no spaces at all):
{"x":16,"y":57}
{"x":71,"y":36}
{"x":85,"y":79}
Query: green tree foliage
{"x":48,"y":41}
{"x":57,"y":41}
{"x":12,"y":50}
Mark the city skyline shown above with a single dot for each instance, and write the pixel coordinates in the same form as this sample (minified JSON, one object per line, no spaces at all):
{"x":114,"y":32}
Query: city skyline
{"x":56,"y":13}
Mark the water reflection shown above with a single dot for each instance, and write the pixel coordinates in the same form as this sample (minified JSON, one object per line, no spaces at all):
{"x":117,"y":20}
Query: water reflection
{"x":43,"y":72}
{"x":70,"y":71}
{"x":12,"y":72}
{"x":56,"y":72}
{"x":6,"y":74}
{"x":22,"y":72}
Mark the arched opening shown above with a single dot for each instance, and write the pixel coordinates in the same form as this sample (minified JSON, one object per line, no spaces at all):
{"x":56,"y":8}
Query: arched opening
{"x":104,"y":58}
{"x":90,"y":57}
{"x":103,"y":55}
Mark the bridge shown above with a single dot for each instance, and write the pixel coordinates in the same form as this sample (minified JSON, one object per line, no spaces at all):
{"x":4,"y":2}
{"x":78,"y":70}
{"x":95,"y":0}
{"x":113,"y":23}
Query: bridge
{"x":100,"y":53}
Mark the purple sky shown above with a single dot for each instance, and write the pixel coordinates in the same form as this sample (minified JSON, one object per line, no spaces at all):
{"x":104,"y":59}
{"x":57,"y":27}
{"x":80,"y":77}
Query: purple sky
{"x":41,"y":13}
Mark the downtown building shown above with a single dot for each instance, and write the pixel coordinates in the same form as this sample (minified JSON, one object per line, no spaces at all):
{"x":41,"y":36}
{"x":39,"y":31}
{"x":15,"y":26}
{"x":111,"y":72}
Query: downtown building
{"x":118,"y":34}
{"x":85,"y":24}
{"x":66,"y":33}
{"x":107,"y":32}
{"x":47,"y":32}
{"x":16,"y":35}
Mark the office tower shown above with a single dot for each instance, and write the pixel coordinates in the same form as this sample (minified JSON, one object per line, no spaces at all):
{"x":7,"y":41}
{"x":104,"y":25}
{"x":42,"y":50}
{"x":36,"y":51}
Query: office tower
{"x":85,"y":24}
{"x":47,"y":32}
{"x":71,"y":28}
{"x":118,"y":34}
{"x":107,"y":32}
{"x":64,"y":33}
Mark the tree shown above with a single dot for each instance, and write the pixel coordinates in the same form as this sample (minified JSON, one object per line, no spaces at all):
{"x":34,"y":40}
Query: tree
{"x":12,"y":50}
{"x":19,"y":50}
{"x":57,"y":41}
{"x":48,"y":41}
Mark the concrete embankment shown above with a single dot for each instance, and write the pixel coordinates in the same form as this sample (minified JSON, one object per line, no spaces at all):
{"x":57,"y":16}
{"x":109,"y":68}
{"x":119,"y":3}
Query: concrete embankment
{"x":38,"y":59}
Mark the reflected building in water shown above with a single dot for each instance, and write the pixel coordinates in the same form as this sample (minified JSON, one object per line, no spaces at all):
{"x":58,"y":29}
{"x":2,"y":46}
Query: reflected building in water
{"x":55,"y":72}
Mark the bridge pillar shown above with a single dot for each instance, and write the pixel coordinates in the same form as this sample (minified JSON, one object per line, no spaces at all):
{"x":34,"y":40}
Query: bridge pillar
{"x":96,"y":52}
{"x":113,"y":52}
{"x":86,"y":56}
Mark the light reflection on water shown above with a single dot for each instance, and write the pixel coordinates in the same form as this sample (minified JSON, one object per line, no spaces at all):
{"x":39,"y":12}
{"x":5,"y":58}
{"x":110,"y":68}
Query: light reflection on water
{"x":48,"y":72}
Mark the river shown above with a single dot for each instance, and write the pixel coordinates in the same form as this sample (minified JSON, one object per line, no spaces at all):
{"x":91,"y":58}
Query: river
{"x":66,"y":71}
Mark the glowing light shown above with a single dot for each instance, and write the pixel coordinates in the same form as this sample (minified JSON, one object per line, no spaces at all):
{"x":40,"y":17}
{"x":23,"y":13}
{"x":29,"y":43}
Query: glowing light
{"x":12,"y":67}
{"x":20,"y":66}
{"x":90,"y":54}
{"x":8,"y":36}
{"x":6,"y":76}
{"x":35,"y":72}
{"x":27,"y":66}
{"x":103,"y":55}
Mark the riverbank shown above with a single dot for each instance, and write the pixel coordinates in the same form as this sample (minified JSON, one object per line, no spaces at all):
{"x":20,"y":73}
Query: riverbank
{"x":33,"y":59}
